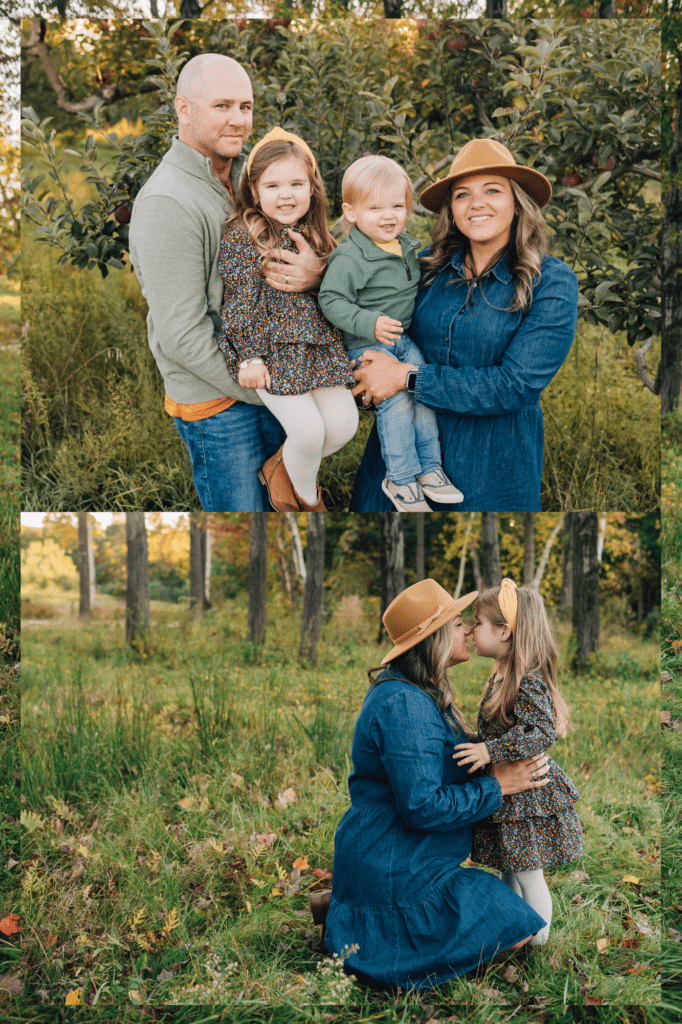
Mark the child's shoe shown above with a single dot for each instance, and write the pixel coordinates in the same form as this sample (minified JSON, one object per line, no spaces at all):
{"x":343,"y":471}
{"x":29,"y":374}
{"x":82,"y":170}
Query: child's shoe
{"x":317,"y":507}
{"x":437,"y":487}
{"x":405,"y":497}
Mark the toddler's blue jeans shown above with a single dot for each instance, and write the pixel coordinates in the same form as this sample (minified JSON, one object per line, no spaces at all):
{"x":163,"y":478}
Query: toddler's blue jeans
{"x":407,"y":430}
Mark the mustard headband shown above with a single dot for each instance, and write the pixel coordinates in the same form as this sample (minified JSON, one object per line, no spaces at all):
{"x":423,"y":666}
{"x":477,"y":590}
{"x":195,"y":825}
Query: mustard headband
{"x":278,"y":135}
{"x":508,"y":601}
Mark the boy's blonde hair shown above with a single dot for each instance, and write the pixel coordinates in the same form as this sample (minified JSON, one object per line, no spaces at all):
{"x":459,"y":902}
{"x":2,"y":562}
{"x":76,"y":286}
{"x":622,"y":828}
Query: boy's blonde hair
{"x":367,"y":176}
{"x":533,"y":649}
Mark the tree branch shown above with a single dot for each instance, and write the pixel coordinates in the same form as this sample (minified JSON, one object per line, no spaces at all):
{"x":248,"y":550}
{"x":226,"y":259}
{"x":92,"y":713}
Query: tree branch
{"x":35,"y":46}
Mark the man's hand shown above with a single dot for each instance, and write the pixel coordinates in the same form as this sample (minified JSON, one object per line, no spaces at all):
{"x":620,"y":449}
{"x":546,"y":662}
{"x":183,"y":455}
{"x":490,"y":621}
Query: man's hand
{"x":299,"y":271}
{"x":380,"y":376}
{"x":387,"y":331}
{"x":255,"y":375}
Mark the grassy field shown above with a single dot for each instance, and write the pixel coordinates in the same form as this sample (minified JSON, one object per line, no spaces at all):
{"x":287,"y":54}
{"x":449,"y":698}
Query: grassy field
{"x":181,"y":803}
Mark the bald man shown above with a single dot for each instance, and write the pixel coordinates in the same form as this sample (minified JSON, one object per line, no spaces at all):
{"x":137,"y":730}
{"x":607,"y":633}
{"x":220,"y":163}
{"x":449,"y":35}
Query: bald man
{"x":175,"y":233}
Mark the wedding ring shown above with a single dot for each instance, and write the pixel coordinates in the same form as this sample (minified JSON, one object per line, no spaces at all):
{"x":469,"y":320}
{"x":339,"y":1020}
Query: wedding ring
{"x":533,"y":777}
{"x":365,"y":400}
{"x":286,"y":279}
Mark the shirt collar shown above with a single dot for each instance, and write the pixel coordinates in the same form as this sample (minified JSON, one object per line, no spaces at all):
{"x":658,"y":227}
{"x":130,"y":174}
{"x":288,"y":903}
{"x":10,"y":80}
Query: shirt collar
{"x":500,"y":270}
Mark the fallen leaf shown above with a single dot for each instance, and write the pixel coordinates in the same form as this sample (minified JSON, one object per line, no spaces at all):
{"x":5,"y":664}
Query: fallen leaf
{"x":494,"y":994}
{"x":11,"y":983}
{"x":286,"y":798}
{"x":631,"y":878}
{"x":510,"y":974}
{"x":641,"y":925}
{"x":236,"y":780}
{"x":73,"y":998}
{"x":135,"y":996}
{"x":301,"y":863}
{"x":266,"y":838}
{"x":674,"y":935}
{"x":10,"y":924}
{"x":665,"y":718}
{"x":666,"y":677}
{"x":51,"y":939}
{"x":164,"y":975}
{"x":323,"y":873}
{"x":630,"y":944}
{"x":602,"y":944}
{"x":12,"y":863}
{"x":577,"y":898}
{"x":594,"y":1001}
{"x":579,"y":876}
{"x":629,"y":831}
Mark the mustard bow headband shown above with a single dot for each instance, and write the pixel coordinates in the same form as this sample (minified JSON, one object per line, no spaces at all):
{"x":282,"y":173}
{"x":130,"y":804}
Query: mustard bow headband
{"x":277,"y":135}
{"x":508,"y":601}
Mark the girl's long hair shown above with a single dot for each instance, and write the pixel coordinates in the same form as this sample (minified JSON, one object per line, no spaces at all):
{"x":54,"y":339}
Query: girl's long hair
{"x":425,"y":665}
{"x":525,"y":250}
{"x":266,"y":232}
{"x":533,"y":649}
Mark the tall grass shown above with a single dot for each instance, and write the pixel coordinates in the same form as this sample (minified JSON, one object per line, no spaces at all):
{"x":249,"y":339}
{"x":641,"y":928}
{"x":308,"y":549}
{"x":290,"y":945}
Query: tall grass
{"x":191,"y":776}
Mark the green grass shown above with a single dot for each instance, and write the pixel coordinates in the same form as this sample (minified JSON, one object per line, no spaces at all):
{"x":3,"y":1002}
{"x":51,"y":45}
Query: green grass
{"x":148,"y":776}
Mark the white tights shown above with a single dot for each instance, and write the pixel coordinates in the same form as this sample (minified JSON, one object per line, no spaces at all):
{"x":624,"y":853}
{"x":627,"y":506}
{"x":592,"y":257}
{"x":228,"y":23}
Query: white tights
{"x":316,"y":424}
{"x":532,"y":887}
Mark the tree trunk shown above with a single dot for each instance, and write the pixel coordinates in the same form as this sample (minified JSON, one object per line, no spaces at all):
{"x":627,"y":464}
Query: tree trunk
{"x":258,"y":576}
{"x":286,"y":571}
{"x":463,"y":555}
{"x":421,"y":571}
{"x":600,"y":537}
{"x":197,"y":565}
{"x":296,"y":546}
{"x":490,"y":550}
{"x":208,"y":551}
{"x":544,"y":558}
{"x":671,"y":278}
{"x":607,"y":9}
{"x":86,"y":567}
{"x":528,"y":548}
{"x":190,"y":9}
{"x":496,"y":8}
{"x":585,"y":584}
{"x":392,"y":562}
{"x":393,"y":8}
{"x":137,"y":583}
{"x":566,"y":561}
{"x":311,"y":624}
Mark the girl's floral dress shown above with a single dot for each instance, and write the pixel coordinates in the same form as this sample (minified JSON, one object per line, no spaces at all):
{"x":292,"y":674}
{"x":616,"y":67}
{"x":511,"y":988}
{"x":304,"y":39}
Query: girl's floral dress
{"x":539,"y":827}
{"x":302,"y":350}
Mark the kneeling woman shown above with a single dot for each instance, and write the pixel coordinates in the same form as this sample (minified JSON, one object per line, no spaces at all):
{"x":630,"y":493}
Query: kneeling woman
{"x":399,"y":893}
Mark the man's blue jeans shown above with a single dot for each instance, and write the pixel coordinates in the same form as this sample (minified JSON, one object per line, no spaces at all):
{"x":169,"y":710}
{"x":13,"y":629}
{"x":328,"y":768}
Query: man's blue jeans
{"x":407,"y":430}
{"x":227,"y":450}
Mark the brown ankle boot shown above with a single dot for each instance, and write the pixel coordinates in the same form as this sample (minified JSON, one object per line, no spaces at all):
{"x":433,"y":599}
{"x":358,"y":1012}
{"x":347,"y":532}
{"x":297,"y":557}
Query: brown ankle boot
{"x":281,"y":491}
{"x":305,"y":507}
{"x":319,"y":906}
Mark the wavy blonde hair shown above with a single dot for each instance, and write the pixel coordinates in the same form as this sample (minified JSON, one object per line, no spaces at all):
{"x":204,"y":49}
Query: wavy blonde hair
{"x":525,"y":250}
{"x":425,"y":665}
{"x":266,"y":232}
{"x":533,"y":649}
{"x":366,"y":177}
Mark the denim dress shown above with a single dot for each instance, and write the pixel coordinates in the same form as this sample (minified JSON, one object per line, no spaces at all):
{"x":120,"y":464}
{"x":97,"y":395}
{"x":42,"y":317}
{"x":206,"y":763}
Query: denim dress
{"x":399,"y":892}
{"x":485,"y":374}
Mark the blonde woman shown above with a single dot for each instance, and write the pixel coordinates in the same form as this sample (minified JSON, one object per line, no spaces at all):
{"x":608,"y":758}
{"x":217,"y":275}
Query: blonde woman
{"x":411,"y":914}
{"x":495,"y":318}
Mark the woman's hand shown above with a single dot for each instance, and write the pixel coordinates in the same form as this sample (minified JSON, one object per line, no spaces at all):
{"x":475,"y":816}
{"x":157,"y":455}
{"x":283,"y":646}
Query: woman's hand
{"x":520,"y":776}
{"x":380,"y":376}
{"x":475,"y":754}
{"x":255,"y":375}
{"x":299,"y":271}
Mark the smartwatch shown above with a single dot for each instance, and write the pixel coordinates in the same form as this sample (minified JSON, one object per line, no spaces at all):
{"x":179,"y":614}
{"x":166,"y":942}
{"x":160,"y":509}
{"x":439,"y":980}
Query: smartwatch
{"x":411,"y":379}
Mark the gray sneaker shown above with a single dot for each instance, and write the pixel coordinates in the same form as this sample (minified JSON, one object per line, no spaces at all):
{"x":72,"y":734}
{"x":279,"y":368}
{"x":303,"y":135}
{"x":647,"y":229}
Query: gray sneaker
{"x":437,"y":487}
{"x":405,"y":497}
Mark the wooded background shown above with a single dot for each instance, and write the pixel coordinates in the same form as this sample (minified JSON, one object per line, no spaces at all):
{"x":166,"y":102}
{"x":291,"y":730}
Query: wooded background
{"x":569,"y":559}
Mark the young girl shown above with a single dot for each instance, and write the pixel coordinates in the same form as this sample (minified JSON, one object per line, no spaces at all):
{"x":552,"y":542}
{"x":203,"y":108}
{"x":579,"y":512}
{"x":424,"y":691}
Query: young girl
{"x":520,"y":715}
{"x":278,"y":342}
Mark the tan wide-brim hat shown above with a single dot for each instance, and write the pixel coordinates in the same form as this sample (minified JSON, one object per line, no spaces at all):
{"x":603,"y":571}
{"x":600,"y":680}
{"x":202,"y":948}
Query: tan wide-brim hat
{"x":481,"y":156}
{"x":419,"y":611}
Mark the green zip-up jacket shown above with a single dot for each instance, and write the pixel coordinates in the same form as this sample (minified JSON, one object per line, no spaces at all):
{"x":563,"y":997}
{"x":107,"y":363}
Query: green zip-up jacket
{"x":175,"y":233}
{"x":363,"y":282}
